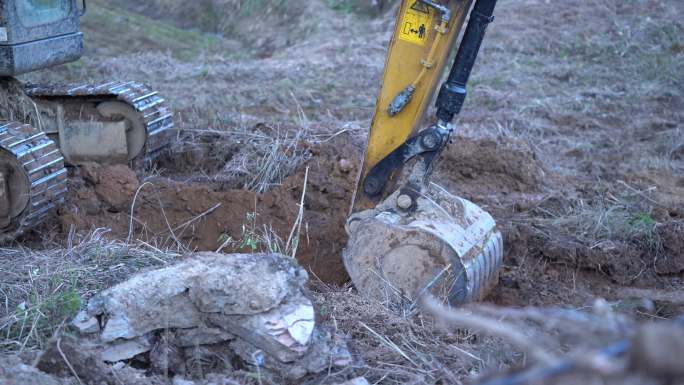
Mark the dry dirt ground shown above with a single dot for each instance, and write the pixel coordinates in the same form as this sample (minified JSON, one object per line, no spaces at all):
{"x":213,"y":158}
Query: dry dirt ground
{"x":572,"y":137}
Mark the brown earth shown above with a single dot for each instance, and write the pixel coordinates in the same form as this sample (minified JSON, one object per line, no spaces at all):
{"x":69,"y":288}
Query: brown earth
{"x":544,"y":264}
{"x":170,"y":213}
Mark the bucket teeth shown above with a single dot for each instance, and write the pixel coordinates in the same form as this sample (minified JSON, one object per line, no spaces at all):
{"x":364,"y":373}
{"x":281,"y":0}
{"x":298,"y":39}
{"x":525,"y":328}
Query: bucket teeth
{"x":38,"y":160}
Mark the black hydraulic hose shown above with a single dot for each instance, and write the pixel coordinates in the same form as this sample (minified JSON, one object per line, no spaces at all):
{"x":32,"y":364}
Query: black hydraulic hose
{"x":452,"y":94}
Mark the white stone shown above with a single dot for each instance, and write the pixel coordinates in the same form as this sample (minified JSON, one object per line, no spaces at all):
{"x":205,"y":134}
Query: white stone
{"x":85,"y":323}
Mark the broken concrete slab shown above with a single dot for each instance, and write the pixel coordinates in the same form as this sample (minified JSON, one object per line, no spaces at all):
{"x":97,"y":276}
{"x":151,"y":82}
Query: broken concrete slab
{"x":208,"y":299}
{"x":122,"y":350}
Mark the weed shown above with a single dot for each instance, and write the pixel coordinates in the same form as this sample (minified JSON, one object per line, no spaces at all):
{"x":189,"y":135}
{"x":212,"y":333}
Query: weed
{"x":253,"y":238}
{"x":250,"y":239}
{"x":36,"y":319}
{"x":43,"y":289}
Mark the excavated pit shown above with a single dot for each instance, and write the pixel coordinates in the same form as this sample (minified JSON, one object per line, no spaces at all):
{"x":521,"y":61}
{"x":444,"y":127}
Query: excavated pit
{"x":202,"y":216}
{"x":168,"y":212}
{"x":504,"y":176}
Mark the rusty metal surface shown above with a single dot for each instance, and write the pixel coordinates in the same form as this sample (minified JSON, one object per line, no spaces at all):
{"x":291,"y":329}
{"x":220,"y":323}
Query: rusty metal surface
{"x":43,"y":167}
{"x":153,"y":109}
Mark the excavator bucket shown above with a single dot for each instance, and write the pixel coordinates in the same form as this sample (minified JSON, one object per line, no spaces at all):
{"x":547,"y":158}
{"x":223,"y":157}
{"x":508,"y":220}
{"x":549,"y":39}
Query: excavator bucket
{"x":447,"y":246}
{"x":421,"y":239}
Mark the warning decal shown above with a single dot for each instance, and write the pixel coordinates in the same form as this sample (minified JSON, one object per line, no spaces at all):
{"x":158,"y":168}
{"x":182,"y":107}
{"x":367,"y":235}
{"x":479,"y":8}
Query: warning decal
{"x":416,"y":24}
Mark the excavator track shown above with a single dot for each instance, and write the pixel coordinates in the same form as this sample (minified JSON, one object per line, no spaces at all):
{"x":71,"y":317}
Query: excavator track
{"x":151,"y":107}
{"x":34,"y":171}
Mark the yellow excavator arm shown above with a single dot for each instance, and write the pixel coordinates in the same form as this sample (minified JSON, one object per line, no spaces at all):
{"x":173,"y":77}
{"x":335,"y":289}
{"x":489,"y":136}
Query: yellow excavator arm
{"x":424,"y":37}
{"x":408,"y":237}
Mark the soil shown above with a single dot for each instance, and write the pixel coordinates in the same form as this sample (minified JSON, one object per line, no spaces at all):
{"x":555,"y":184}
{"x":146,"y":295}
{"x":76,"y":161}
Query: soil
{"x":503,"y":175}
{"x":201,"y":217}
{"x":489,"y":166}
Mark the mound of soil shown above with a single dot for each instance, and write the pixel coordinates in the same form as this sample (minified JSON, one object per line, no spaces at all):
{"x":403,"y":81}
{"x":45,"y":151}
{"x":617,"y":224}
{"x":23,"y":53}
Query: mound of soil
{"x":488,"y":165}
{"x":203,"y":217}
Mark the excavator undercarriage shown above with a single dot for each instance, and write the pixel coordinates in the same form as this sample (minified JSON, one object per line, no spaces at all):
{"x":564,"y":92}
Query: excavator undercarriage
{"x":106,"y":123}
{"x":115,"y":122}
{"x":32,"y":178}
{"x":46,"y":127}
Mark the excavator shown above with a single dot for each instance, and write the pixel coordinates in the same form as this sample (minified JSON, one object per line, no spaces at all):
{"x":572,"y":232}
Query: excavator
{"x":407,"y":235}
{"x":45,"y":127}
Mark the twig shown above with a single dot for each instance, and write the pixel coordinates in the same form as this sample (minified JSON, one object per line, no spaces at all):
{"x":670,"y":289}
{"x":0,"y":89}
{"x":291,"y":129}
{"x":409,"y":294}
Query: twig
{"x":194,"y":219}
{"x":168,"y":225}
{"x":130,"y":223}
{"x":389,"y":343}
{"x":460,"y":318}
{"x":294,"y":242}
{"x":61,"y":353}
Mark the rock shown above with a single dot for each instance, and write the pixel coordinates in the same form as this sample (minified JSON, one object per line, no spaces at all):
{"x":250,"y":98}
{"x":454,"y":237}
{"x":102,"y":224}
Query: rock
{"x":209,"y":299}
{"x":182,"y":381}
{"x":345,"y":165}
{"x":85,"y":324}
{"x":117,"y":186}
{"x":15,"y":372}
{"x":323,"y":352}
{"x":167,"y":358}
{"x":657,"y":350}
{"x":91,"y":172}
{"x":122,"y":350}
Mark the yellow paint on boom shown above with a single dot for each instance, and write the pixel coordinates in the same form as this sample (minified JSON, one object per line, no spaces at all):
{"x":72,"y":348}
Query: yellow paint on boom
{"x":402,"y":67}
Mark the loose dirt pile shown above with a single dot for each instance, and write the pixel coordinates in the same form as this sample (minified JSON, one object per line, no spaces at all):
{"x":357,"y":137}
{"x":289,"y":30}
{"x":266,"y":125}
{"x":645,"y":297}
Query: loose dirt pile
{"x":487,"y":166}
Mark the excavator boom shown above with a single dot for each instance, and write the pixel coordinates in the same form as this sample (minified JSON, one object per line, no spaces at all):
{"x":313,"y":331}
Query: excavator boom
{"x":408,"y":236}
{"x":423,"y":39}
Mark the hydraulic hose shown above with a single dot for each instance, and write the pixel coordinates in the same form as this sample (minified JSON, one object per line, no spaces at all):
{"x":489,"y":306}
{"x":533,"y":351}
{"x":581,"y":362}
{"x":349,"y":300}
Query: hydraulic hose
{"x":452,"y":94}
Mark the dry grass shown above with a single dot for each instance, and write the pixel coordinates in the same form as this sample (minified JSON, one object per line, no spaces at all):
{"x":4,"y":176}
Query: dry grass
{"x":15,"y":105}
{"x":596,"y":78}
{"x":594,"y":86}
{"x":42,"y":289}
{"x":453,"y":346}
{"x":621,"y":214}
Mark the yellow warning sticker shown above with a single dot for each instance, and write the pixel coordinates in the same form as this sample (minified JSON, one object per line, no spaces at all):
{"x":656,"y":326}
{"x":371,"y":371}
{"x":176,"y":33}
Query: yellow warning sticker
{"x":416,"y":24}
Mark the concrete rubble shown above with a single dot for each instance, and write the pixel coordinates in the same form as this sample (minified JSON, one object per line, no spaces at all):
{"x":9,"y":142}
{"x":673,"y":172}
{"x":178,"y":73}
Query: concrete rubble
{"x":252,"y":306}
